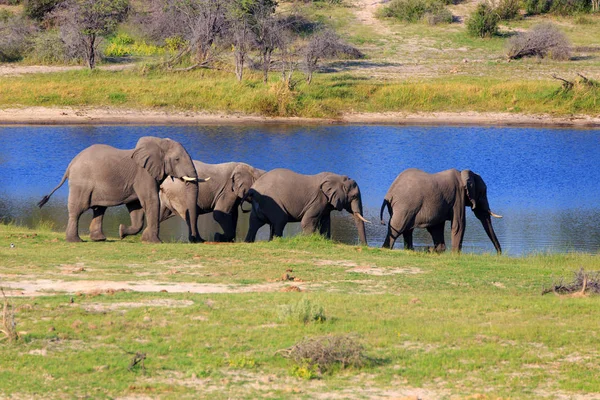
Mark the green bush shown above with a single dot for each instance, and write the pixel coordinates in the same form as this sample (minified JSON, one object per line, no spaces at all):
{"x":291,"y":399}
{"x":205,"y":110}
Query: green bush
{"x":508,"y":9}
{"x":303,"y":312}
{"x":438,"y":16}
{"x":48,"y":48}
{"x":37,"y":9}
{"x":483,"y":22}
{"x":561,"y":7}
{"x":415,"y":10}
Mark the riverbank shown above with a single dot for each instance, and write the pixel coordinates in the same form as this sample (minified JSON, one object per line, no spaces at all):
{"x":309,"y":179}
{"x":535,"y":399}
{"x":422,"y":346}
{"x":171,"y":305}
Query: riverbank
{"x":215,"y":319}
{"x":116,"y":116}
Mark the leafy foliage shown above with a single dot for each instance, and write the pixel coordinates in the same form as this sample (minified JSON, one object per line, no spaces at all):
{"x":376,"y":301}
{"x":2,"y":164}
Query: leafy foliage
{"x":561,"y":7}
{"x":304,"y":312}
{"x":84,"y":22}
{"x":416,"y":10}
{"x":508,"y":9}
{"x":38,"y":9}
{"x":483,"y":22}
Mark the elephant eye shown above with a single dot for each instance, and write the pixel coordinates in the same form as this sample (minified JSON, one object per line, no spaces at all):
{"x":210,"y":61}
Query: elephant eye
{"x":177,"y":159}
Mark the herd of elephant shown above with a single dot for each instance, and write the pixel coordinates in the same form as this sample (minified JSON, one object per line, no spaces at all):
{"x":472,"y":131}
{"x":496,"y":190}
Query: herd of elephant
{"x":159,"y":179}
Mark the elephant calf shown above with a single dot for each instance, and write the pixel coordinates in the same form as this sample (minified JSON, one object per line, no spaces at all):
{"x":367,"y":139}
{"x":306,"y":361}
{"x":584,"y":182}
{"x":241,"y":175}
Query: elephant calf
{"x":281,"y":196}
{"x":222,"y":195}
{"x":417,"y":199}
{"x":102,"y":176}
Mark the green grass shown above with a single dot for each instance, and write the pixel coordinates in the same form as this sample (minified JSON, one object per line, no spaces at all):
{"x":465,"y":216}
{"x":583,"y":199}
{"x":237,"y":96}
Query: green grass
{"x":330,"y":95}
{"x":465,"y":325}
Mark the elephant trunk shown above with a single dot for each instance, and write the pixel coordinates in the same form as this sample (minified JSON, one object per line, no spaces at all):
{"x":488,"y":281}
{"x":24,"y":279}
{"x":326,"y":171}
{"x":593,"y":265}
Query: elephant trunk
{"x":356,"y":210}
{"x":486,"y":221}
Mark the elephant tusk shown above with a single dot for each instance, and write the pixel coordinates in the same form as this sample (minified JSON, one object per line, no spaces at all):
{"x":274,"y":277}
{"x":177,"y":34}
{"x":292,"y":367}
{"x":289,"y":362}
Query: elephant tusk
{"x":495,"y":215}
{"x":203,"y":179}
{"x":361,"y":218}
{"x":188,"y":179}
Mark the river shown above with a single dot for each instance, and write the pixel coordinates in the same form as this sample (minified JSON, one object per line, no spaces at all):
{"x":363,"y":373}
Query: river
{"x":545,"y":182}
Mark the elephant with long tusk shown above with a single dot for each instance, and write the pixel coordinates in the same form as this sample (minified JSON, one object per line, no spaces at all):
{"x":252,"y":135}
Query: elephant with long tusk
{"x":417,"y":199}
{"x":102,"y":176}
{"x":281,"y":196}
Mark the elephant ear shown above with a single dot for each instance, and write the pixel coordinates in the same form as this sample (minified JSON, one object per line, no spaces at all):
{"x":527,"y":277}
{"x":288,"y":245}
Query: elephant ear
{"x":241,"y":180}
{"x":468,"y":180}
{"x":333,"y":189}
{"x":149,"y":155}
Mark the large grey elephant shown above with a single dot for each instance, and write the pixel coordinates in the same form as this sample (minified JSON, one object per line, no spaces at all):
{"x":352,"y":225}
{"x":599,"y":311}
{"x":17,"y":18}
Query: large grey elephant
{"x":102,"y":176}
{"x":229,"y":183}
{"x":281,"y":196}
{"x":418,"y":199}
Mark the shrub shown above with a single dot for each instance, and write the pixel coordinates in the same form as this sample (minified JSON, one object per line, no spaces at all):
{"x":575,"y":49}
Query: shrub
{"x":303,"y":312}
{"x":483,"y":22}
{"x":38,"y":9}
{"x":508,"y":9}
{"x":562,"y":7}
{"x":15,"y":38}
{"x":323,"y":354}
{"x":48,"y":48}
{"x":415,"y":10}
{"x":543,"y":40}
{"x":439,"y":16}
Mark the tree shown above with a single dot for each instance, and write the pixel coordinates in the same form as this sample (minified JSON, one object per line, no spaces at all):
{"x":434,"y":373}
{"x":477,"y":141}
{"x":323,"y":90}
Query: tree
{"x":266,"y":29}
{"x":240,"y":36}
{"x":325,"y":44}
{"x":84,"y":22}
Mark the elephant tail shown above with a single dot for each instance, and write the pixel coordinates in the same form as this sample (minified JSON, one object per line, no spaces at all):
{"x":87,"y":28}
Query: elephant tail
{"x":247,"y":197}
{"x":385,"y":204}
{"x":47,"y":197}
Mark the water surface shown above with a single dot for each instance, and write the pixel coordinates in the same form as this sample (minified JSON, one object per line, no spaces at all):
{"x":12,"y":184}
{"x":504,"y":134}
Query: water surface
{"x":545,"y":182}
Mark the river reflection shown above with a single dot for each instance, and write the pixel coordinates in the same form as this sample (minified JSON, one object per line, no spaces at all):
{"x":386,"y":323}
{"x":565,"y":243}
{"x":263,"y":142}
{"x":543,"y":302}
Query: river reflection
{"x":545,"y":182}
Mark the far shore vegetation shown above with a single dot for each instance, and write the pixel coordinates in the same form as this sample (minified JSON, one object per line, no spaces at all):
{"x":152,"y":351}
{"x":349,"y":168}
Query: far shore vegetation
{"x":317,"y":59}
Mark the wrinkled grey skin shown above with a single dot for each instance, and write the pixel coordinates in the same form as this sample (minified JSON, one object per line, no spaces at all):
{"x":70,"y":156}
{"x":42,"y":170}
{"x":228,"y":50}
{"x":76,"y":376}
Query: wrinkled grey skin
{"x":102,"y":176}
{"x":417,"y":199}
{"x":281,"y":196}
{"x":221,"y":195}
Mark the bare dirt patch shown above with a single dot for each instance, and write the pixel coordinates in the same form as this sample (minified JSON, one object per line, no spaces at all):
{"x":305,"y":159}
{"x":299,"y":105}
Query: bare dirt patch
{"x":97,"y":307}
{"x":44,"y":287}
{"x":17,"y":70}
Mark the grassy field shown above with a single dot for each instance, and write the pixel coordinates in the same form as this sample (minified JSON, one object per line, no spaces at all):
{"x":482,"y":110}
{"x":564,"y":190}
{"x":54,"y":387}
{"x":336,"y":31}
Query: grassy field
{"x":329,"y":95}
{"x":213,"y":320}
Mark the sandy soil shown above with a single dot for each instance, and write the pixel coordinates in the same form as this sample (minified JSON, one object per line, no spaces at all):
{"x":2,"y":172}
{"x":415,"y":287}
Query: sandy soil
{"x":365,"y":12}
{"x":16,"y":70}
{"x":44,"y":287}
{"x":110,"y":116}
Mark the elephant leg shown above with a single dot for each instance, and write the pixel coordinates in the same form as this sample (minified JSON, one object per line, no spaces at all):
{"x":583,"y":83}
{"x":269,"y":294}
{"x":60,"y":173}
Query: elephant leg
{"x":228,"y":223}
{"x":96,"y":233}
{"x":437,"y":234}
{"x":136,"y":213}
{"x":325,"y":228}
{"x":76,"y":208}
{"x":408,"y":239}
{"x":255,"y":224}
{"x":151,"y":207}
{"x":397,"y":225}
{"x":310,"y":220}
{"x":277,"y":229}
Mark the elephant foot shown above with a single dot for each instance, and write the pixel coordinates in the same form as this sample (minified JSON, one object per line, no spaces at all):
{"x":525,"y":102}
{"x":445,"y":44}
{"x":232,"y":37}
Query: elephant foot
{"x":219,"y":237}
{"x":150,"y":238}
{"x":122,"y":231}
{"x":440,"y":248}
{"x":97,"y":237}
{"x":196,"y":239}
{"x":74,"y":239}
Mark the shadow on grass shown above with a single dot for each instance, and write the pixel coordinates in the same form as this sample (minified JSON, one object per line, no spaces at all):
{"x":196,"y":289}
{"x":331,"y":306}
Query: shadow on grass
{"x":341,"y":66}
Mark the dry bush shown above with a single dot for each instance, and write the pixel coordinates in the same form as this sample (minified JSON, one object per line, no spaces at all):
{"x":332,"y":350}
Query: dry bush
{"x":326,"y":352}
{"x":583,"y":282}
{"x":322,"y":45}
{"x":9,"y":325}
{"x":543,"y":40}
{"x":15,"y":38}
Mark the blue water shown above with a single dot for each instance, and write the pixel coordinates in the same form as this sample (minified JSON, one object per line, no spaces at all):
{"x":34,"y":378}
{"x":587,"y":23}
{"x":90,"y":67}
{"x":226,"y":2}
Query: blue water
{"x":545,"y":182}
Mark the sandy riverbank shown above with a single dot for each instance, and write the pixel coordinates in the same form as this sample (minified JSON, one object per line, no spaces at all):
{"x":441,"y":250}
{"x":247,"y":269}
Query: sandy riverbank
{"x":113,"y":116}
